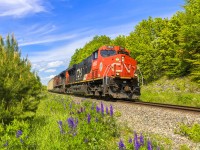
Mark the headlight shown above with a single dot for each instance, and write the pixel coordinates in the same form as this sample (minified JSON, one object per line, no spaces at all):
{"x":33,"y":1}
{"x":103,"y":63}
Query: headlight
{"x":117,"y":59}
{"x":122,"y":58}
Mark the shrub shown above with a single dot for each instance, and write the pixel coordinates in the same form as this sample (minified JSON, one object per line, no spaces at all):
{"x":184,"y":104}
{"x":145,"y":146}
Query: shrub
{"x":19,"y":87}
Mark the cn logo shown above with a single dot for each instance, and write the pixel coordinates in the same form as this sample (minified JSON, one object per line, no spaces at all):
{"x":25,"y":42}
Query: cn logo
{"x":78,"y":74}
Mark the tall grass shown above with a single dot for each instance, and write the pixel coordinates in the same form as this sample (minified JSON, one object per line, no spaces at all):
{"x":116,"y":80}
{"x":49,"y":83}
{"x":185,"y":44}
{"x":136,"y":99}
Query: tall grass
{"x":180,"y":91}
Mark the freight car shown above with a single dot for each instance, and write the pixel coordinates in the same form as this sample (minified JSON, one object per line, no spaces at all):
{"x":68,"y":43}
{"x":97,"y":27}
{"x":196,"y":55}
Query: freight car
{"x":107,"y":72}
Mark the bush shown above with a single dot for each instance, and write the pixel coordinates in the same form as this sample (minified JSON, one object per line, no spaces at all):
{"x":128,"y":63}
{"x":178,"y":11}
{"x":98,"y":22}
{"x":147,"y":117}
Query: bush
{"x":19,"y":87}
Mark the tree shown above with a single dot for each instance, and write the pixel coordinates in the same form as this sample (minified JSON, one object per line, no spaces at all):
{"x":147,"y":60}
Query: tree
{"x":148,"y":47}
{"x":189,"y":37}
{"x":19,"y":87}
{"x":119,"y":41}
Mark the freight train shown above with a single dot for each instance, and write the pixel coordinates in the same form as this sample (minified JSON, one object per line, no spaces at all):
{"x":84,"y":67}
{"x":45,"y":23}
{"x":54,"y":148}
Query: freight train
{"x":108,"y":72}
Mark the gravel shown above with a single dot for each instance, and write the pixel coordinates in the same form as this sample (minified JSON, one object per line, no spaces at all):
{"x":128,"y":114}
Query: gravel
{"x":154,"y":120}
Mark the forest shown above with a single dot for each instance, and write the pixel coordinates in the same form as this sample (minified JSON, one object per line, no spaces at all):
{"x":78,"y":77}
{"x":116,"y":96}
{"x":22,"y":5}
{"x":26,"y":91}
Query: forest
{"x":162,"y":46}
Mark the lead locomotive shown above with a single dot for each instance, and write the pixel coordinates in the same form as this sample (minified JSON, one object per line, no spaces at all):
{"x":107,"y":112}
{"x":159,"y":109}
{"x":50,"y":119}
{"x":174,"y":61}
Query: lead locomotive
{"x":108,"y":72}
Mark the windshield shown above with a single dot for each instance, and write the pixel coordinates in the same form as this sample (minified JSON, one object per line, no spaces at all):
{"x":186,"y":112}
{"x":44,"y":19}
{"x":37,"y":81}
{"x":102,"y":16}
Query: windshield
{"x":123,"y":52}
{"x":107,"y":53}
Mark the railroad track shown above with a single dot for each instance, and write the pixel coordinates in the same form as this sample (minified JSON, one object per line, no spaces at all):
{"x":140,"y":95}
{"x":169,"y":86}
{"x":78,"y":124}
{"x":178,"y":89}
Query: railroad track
{"x":169,"y":106}
{"x":151,"y":104}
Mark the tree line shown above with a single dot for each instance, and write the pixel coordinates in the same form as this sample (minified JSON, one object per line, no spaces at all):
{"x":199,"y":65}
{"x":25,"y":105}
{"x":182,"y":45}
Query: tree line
{"x":162,"y":47}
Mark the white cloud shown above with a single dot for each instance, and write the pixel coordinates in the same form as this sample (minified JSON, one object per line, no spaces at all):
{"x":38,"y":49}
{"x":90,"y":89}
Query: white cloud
{"x":60,"y":53}
{"x":54,"y":64}
{"x":20,"y":8}
{"x":48,"y":77}
{"x":50,"y":70}
{"x":49,"y":39}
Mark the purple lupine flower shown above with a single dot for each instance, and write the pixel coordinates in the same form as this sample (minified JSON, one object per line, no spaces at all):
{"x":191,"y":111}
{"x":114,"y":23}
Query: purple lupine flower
{"x":92,"y":106}
{"x":111,"y":110}
{"x":88,"y":118}
{"x":158,"y":148}
{"x":149,"y":146}
{"x":121,"y":145}
{"x":141,"y":139}
{"x":130,"y":140}
{"x":72,"y":123}
{"x":60,"y":126}
{"x":19,"y":133}
{"x":97,"y":109}
{"x":102,"y":109}
{"x":136,"y":143}
{"x":107,"y":110}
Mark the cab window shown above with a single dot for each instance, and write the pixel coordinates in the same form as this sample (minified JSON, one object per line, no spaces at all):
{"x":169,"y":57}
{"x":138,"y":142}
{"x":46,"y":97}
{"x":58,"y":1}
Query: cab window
{"x":107,"y":53}
{"x":95,"y":55}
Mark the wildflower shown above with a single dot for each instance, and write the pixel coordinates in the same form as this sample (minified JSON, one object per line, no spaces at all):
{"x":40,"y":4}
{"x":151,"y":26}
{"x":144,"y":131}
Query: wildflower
{"x":102,"y":109}
{"x":121,"y":145}
{"x":130,"y":140}
{"x":136,"y":143}
{"x":111,"y":110}
{"x":158,"y":148}
{"x":88,"y":118}
{"x":107,"y":110}
{"x":141,"y":139}
{"x":60,"y":126}
{"x":98,"y":109}
{"x":149,"y":146}
{"x":72,"y":123}
{"x":19,"y":133}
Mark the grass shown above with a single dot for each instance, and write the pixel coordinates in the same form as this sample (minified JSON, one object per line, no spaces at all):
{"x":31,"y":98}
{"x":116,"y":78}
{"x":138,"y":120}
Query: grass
{"x":180,"y":91}
{"x":60,"y":123}
{"x":191,"y":131}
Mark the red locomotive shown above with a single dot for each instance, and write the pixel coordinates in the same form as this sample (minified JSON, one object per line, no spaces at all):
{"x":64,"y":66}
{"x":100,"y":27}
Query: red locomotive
{"x":108,"y":72}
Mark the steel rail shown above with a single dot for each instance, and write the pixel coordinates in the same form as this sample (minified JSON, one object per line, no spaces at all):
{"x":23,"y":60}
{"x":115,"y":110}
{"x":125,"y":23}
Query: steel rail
{"x":171,"y":106}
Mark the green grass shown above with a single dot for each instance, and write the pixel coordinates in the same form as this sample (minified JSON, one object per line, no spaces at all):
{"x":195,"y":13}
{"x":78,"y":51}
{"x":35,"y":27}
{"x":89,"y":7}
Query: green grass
{"x":43,"y":132}
{"x":191,"y":131}
{"x":180,"y":91}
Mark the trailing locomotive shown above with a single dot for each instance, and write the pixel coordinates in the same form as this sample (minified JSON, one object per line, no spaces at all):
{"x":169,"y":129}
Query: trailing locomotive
{"x":108,"y":72}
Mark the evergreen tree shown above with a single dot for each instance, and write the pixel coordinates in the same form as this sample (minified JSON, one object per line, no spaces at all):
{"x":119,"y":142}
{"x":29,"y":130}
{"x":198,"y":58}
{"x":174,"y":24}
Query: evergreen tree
{"x":19,"y":87}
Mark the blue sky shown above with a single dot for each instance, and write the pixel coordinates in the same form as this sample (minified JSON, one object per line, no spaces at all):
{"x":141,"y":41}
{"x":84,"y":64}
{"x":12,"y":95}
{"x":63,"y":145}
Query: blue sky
{"x":49,"y":32}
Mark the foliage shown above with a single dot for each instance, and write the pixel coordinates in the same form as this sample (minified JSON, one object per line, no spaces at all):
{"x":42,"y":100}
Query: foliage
{"x":19,"y":87}
{"x":179,"y":91}
{"x":192,"y":131}
{"x":62,"y":123}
